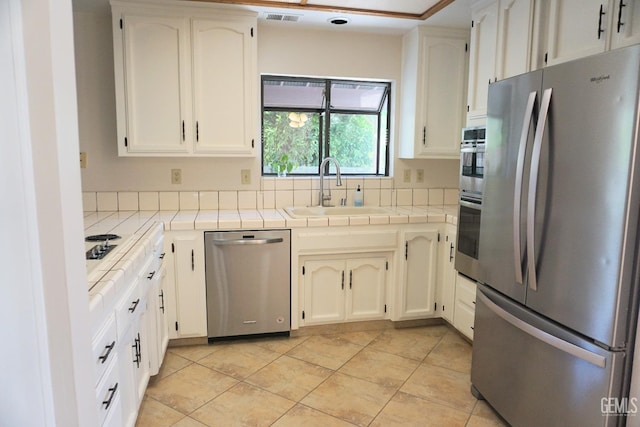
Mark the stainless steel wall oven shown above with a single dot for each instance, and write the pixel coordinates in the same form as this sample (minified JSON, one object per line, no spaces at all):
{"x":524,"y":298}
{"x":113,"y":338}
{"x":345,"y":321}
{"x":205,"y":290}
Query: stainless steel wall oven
{"x":470,"y":202}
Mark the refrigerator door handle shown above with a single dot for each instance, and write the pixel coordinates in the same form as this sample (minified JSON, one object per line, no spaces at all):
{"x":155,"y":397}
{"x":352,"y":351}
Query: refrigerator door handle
{"x":517,"y":197}
{"x":533,"y":188}
{"x":562,"y":345}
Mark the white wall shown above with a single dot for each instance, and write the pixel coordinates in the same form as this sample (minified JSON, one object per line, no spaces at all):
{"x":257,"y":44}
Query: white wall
{"x":47,"y":366}
{"x":281,"y":50}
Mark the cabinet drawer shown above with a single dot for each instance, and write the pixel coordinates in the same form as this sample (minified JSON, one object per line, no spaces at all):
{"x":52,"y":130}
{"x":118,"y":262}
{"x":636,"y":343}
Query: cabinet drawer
{"x":104,"y":347}
{"x":108,"y":392}
{"x":466,"y":291}
{"x":128,"y":308}
{"x":464,"y":319}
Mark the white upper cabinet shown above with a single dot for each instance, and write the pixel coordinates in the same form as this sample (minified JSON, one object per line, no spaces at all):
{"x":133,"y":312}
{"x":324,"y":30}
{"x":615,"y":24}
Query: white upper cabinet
{"x":157,"y":94}
{"x":186,"y":80}
{"x":579,"y":28}
{"x":434,"y":72}
{"x":223,"y":83}
{"x":501,"y":45}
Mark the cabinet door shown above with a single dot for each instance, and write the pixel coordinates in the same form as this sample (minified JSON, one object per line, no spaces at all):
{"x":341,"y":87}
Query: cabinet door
{"x":366,"y":293}
{"x":127,"y":354}
{"x":156,"y":92}
{"x":484,"y":33}
{"x":190,"y":292}
{"x":514,"y":38}
{"x":444,"y":65}
{"x":324,"y":282}
{"x":625,"y":29}
{"x":448,"y":274}
{"x":223,"y":86}
{"x":573,"y":29}
{"x":419,"y":285}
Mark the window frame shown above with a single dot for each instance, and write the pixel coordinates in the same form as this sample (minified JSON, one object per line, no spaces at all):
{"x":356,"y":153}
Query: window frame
{"x":324,"y":134}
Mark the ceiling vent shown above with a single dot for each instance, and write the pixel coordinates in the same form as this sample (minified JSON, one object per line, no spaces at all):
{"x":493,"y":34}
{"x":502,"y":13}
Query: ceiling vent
{"x":284,"y":17}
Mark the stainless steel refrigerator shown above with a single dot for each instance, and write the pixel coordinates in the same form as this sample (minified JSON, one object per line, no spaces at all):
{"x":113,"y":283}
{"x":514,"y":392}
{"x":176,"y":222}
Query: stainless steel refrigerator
{"x":556,"y":308}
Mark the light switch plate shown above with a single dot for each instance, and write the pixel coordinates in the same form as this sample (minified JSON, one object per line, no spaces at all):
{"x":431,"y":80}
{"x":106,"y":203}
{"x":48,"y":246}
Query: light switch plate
{"x":83,"y":160}
{"x":407,"y":175}
{"x":245,"y":176}
{"x":420,"y":176}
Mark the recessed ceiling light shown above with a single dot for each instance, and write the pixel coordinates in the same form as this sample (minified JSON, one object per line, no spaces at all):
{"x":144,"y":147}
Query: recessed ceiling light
{"x":339,"y":20}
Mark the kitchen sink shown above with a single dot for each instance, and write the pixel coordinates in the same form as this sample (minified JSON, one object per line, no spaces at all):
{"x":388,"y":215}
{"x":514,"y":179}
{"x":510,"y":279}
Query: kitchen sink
{"x":300,"y":212}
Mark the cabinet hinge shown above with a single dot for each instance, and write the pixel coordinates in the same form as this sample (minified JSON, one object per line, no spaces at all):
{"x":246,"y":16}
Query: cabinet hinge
{"x":435,"y":306}
{"x":302,"y":314}
{"x":386,"y":265}
{"x":472,"y":23}
{"x":546,"y":56}
{"x":303,"y":270}
{"x":438,"y":236}
{"x":253,"y":143}
{"x":467,"y":108}
{"x":176,"y":326}
{"x":385,"y":308}
{"x":251,"y":31}
{"x":406,"y":250}
{"x":126,"y":143}
{"x":466,"y":47}
{"x":121,"y":24}
{"x":173,"y":248}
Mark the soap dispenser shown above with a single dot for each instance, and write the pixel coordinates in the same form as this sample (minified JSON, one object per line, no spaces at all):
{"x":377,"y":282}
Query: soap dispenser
{"x":357,"y":197}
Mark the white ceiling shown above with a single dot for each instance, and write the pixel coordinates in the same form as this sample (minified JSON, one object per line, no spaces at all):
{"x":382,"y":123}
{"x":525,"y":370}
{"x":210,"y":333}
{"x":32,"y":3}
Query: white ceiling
{"x":457,"y":14}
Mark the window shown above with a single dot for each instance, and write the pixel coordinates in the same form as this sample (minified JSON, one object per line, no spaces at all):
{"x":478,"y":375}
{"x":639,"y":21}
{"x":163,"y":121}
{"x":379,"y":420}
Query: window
{"x":305,"y":120}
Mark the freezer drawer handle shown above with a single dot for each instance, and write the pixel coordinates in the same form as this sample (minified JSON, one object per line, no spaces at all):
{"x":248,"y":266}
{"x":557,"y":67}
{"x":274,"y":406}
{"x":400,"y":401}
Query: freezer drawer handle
{"x":219,"y":242}
{"x":517,"y":197}
{"x":533,"y":189}
{"x":561,"y":345}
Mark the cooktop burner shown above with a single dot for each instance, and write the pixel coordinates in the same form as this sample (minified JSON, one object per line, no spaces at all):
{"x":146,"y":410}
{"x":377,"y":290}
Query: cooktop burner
{"x":101,"y":237}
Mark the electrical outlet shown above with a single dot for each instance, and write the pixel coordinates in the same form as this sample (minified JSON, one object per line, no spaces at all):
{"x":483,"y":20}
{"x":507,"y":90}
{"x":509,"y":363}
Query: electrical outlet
{"x":245,"y":176}
{"x":176,"y":176}
{"x":420,"y":176}
{"x":407,"y":175}
{"x":83,"y":160}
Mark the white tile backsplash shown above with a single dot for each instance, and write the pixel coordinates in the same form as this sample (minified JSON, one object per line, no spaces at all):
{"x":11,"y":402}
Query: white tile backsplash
{"x":247,"y":200}
{"x":149,"y":200}
{"x":189,"y":200}
{"x":208,"y":200}
{"x":169,"y":201}
{"x":276,"y":193}
{"x":227,"y":200}
{"x":128,"y":201}
{"x":107,"y":201}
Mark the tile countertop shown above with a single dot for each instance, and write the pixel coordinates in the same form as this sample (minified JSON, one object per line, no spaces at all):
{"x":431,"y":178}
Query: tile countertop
{"x":131,"y":225}
{"x":278,"y":218}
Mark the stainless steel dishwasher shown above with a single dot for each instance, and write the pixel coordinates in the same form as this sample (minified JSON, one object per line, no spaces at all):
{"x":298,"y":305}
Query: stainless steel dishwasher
{"x":248,"y":280}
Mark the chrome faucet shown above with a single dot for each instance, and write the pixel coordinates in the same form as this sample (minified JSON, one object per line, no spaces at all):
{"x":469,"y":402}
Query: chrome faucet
{"x":325,"y":198}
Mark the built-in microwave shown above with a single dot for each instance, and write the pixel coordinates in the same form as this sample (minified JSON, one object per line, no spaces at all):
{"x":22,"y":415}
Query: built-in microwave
{"x":472,"y":160}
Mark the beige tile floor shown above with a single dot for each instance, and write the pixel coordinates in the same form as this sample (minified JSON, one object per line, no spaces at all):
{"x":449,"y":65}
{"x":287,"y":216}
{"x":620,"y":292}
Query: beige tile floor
{"x":392,"y":377}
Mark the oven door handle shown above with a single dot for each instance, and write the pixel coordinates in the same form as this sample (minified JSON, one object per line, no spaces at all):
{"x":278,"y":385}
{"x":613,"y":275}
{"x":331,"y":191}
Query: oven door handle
{"x":471,"y":205}
{"x":221,"y":242}
{"x":517,"y":196}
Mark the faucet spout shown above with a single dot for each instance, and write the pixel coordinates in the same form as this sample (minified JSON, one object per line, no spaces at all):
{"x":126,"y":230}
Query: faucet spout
{"x":324,"y":199}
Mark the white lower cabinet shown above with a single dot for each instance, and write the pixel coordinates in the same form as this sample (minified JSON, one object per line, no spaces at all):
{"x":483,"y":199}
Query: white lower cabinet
{"x":185,"y":291}
{"x":417,"y":290}
{"x":447,"y":274}
{"x":465,"y":309}
{"x":157,"y":321}
{"x":337,"y":290}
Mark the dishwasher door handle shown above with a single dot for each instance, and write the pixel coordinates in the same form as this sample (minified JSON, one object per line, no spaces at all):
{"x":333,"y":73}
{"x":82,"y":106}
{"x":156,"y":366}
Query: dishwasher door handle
{"x":222,"y":242}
